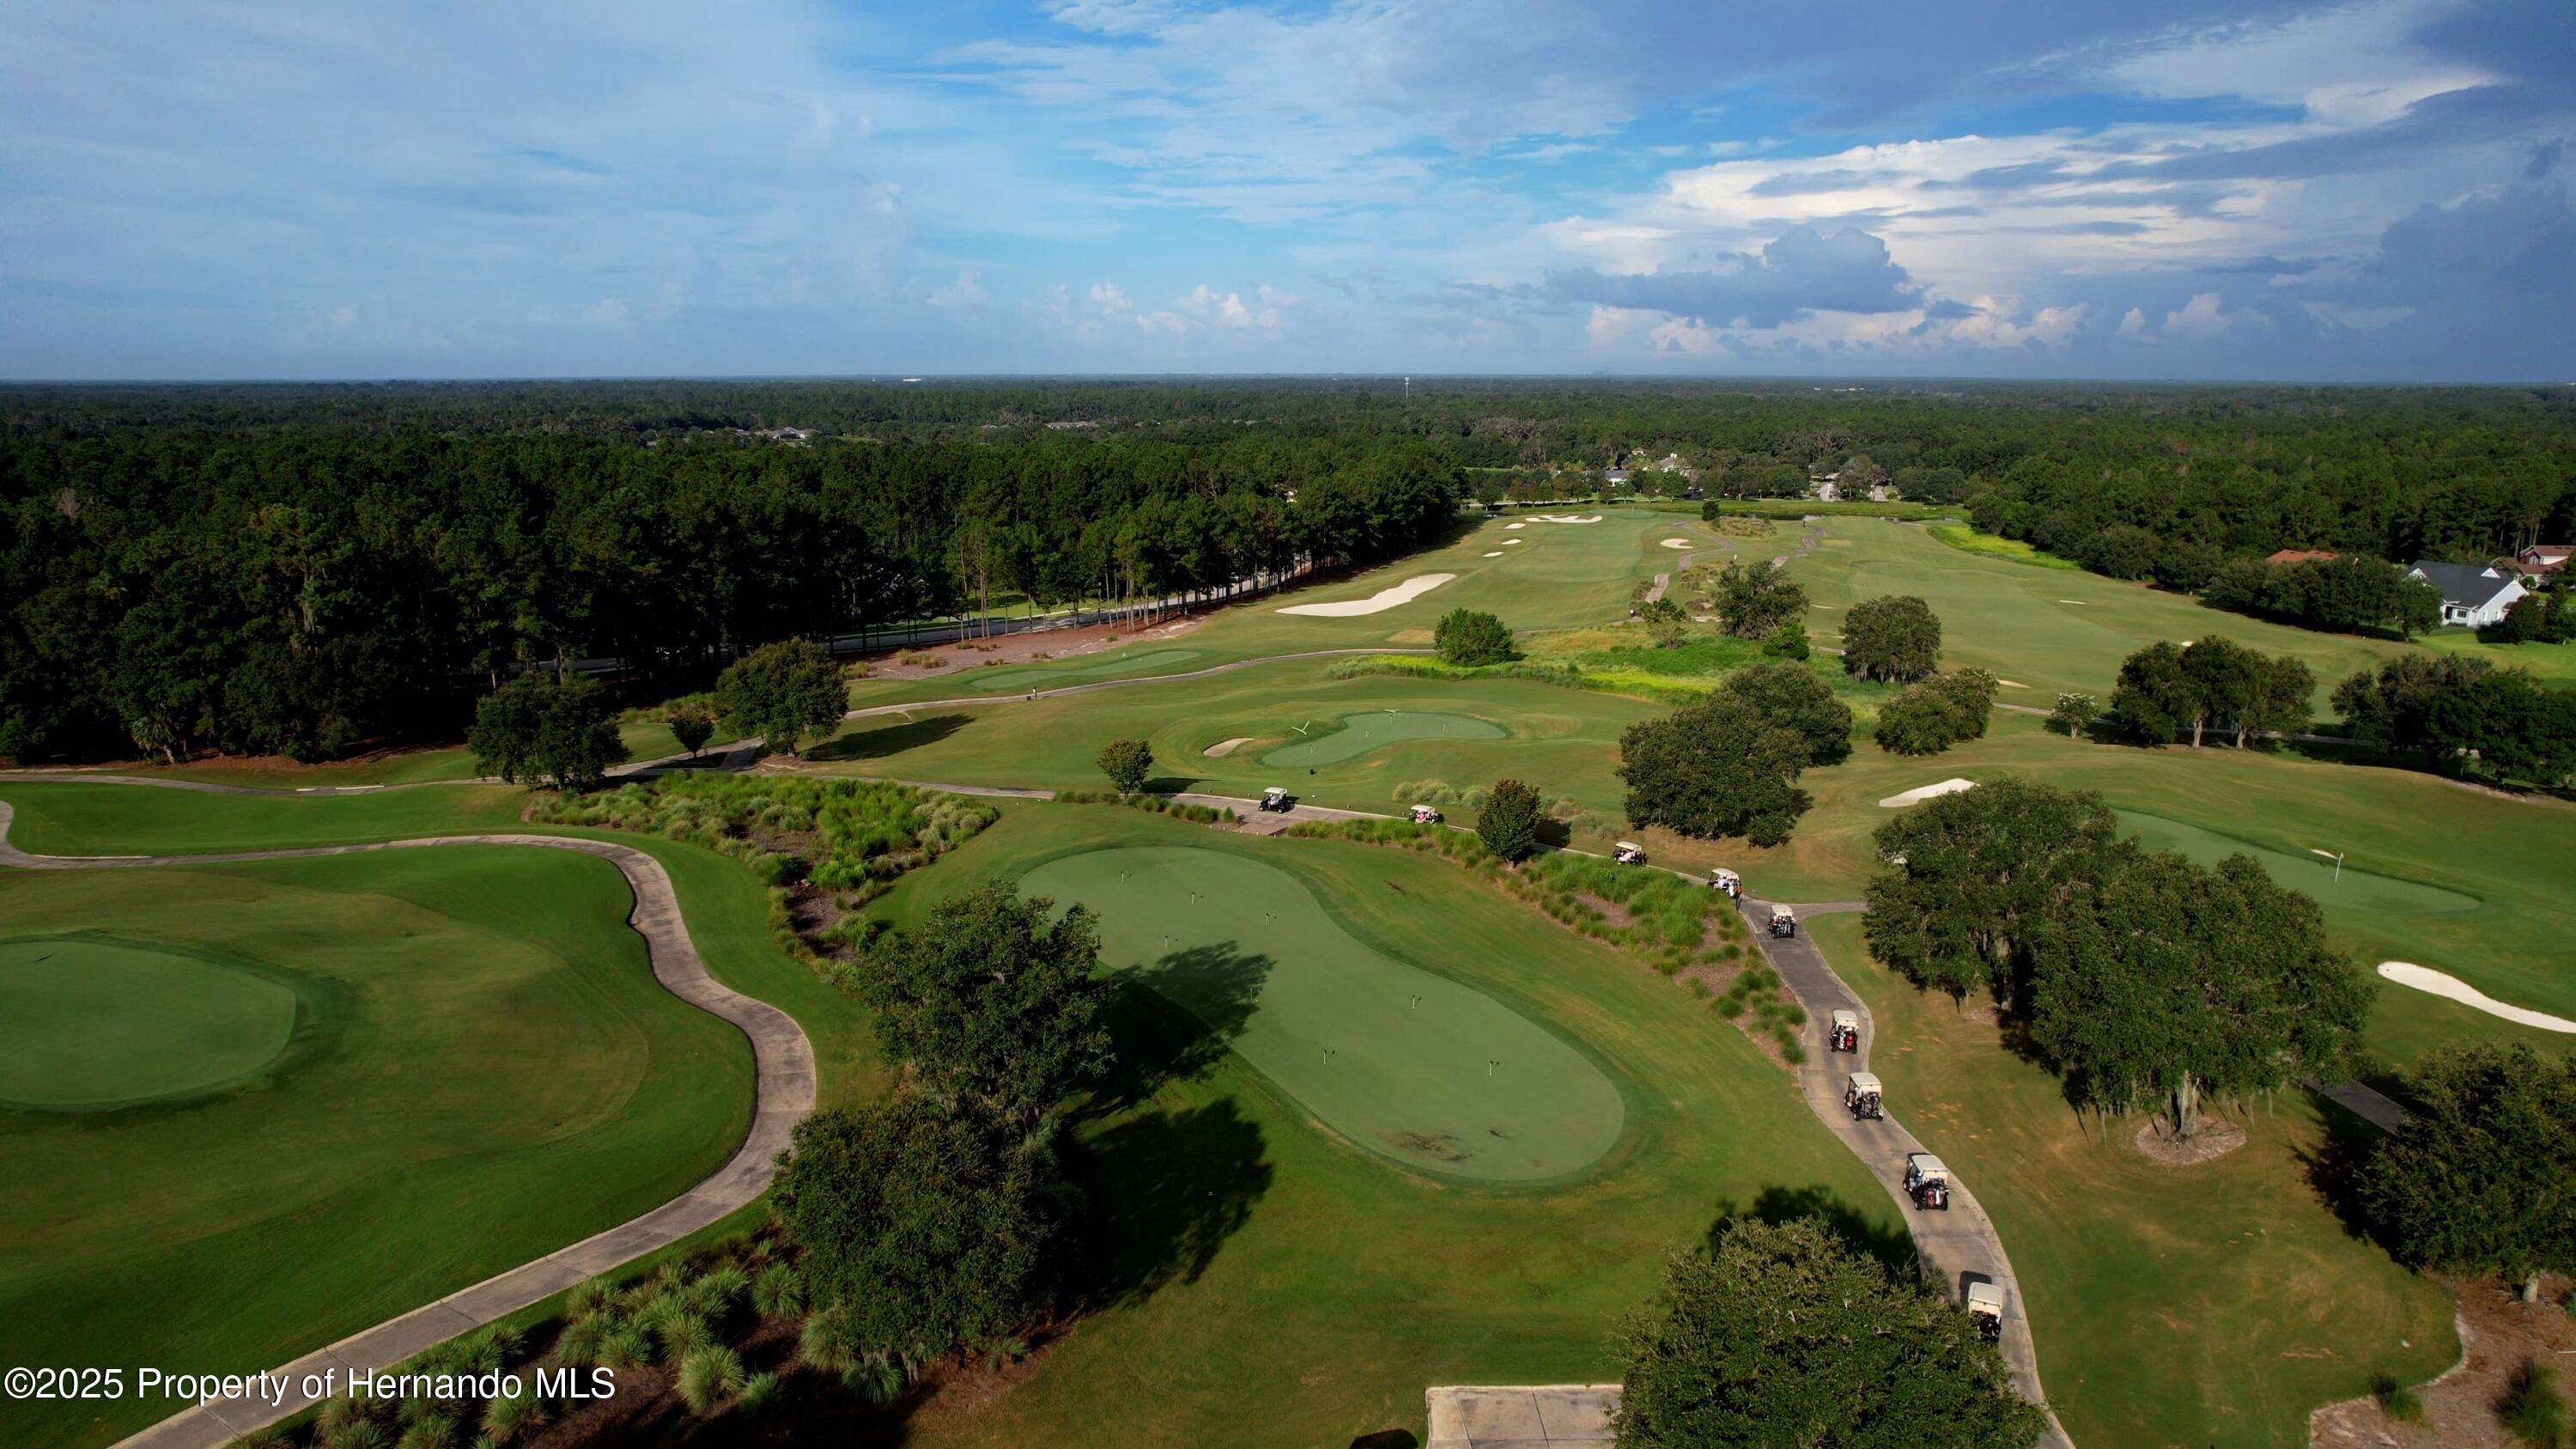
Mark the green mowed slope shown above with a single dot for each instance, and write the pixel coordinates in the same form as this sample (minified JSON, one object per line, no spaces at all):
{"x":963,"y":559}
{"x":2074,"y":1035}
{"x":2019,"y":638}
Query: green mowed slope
{"x":1263,"y":1281}
{"x":2415,"y":886}
{"x":2212,"y":1304}
{"x":1363,"y":734}
{"x":394,"y":767}
{"x":69,"y":819}
{"x":1399,"y":1059}
{"x":1567,"y":740}
{"x":1544,"y":576}
{"x":99,"y":1021}
{"x":493,"y":1073}
{"x":2049,"y":629}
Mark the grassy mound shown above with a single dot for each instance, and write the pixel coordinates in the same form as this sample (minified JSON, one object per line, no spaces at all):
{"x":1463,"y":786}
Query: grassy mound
{"x":98,"y":1021}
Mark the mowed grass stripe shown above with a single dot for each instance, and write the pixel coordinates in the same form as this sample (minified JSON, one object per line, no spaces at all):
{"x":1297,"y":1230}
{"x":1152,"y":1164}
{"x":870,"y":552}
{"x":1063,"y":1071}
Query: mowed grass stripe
{"x":1409,"y":1064}
{"x":1362,"y":734}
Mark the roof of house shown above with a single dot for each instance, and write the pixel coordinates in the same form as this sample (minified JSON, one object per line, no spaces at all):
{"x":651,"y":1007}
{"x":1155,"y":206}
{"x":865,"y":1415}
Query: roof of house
{"x":2301,"y":555}
{"x":2467,"y":586}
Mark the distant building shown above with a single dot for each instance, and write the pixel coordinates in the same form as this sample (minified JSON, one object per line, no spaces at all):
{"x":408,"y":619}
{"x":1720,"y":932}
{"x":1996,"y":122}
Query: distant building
{"x":2540,"y":560}
{"x":2474,"y":595}
{"x":2302,"y":555}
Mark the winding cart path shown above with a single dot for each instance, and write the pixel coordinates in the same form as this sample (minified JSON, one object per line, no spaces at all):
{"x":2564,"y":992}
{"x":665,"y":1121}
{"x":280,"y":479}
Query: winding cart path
{"x":783,"y":1095}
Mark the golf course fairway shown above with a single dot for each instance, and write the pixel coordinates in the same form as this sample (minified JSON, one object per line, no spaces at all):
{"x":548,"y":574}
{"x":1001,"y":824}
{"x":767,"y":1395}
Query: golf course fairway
{"x":1403,"y":1061}
{"x":1375,"y":729}
{"x":2352,"y":889}
{"x":90,"y":1021}
{"x":1041,"y":676}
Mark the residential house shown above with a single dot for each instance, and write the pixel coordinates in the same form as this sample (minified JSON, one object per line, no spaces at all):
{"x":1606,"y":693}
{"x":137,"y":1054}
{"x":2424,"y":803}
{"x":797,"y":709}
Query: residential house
{"x":2473,"y":595}
{"x":2540,"y":560}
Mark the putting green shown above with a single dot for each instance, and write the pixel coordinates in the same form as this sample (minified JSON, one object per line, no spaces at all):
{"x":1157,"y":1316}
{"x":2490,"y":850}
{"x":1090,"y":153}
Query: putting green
{"x":1361,"y":733}
{"x":91,"y":1021}
{"x":2359,"y":889}
{"x":1403,"y":1061}
{"x":1049,"y":676}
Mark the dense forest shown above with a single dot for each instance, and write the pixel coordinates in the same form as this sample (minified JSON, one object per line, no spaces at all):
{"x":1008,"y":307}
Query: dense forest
{"x":308,"y":568}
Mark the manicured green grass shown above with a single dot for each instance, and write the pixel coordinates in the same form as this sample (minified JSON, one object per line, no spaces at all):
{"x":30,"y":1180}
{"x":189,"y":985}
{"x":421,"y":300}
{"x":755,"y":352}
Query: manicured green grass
{"x":1104,"y":665}
{"x":1400,"y":1060}
{"x":1564,"y":739}
{"x":99,"y":1021}
{"x":2552,"y":664}
{"x":2212,"y":1304}
{"x":502,"y":1076}
{"x":1557,"y":575}
{"x":2403,"y":831}
{"x":70,"y":819}
{"x":1261,"y":1281}
{"x":2048,"y":629}
{"x":644,"y":741}
{"x":1363,"y":734}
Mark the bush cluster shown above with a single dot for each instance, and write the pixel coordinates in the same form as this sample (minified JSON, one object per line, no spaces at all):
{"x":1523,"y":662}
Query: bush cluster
{"x":1150,"y":804}
{"x":837,"y":835}
{"x":1439,"y":792}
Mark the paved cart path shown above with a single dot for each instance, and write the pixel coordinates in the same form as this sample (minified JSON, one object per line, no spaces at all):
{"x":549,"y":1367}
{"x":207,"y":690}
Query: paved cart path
{"x":1958,"y":1246}
{"x":783,"y":1087}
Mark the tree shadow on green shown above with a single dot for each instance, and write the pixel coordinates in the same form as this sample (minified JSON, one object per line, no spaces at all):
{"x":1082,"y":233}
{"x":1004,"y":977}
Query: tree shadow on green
{"x":1173,"y":1019}
{"x":1162,"y":1191}
{"x":876,"y":744}
{"x":2334,"y":1166}
{"x":1776,"y":1205}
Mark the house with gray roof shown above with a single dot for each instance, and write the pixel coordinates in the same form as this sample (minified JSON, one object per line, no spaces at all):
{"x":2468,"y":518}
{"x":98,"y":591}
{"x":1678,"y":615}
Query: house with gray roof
{"x":2474,"y":596}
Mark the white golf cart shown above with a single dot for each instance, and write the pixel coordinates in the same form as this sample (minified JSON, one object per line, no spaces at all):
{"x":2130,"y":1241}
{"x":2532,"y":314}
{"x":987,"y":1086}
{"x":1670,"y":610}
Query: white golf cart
{"x":1425,"y":815}
{"x":1986,"y":1306}
{"x":1630,"y":853}
{"x":1277,"y":800}
{"x":1784,"y":922}
{"x":1927,"y":1181}
{"x":1843,"y":1035}
{"x":1727,"y":881}
{"x":1864,"y":1096}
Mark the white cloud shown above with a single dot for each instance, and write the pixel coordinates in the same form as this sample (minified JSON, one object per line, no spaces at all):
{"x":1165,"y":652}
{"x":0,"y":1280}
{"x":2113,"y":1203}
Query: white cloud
{"x":2199,"y":319}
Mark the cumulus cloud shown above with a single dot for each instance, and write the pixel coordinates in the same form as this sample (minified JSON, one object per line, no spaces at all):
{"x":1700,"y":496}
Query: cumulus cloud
{"x":1800,"y":273}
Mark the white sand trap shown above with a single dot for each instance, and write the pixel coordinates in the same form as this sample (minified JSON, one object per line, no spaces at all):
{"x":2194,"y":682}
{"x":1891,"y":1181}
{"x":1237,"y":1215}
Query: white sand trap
{"x":2012,"y":684}
{"x":1225,"y":747}
{"x":1921,"y":793}
{"x":1569,"y":518}
{"x":1677,"y":543}
{"x":1515,"y":525}
{"x":1377,"y":603}
{"x":2443,"y":983}
{"x":2070,"y":601}
{"x":1507,"y":543}
{"x":1497,"y":553}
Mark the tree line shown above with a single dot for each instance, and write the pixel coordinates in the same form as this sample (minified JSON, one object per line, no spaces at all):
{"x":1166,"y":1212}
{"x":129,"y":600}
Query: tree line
{"x":304,"y":594}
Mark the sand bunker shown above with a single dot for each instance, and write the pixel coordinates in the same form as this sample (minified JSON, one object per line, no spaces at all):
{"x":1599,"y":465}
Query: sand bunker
{"x":1677,"y":543}
{"x":1377,"y":603}
{"x":1225,"y":747}
{"x":2070,"y":601}
{"x":1497,"y":553}
{"x":1922,"y":793}
{"x":1507,"y":543}
{"x":2443,"y":983}
{"x":1569,"y":518}
{"x":2012,"y":684}
{"x":1515,"y":525}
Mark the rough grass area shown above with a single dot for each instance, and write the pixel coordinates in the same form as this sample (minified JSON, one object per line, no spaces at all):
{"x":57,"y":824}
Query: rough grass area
{"x":2231,"y":1276}
{"x":1966,"y":539}
{"x":503,"y":1077}
{"x":831,"y":834}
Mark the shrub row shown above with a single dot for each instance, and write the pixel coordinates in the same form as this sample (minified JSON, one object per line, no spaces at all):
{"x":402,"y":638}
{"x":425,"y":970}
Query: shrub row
{"x":1150,"y":804}
{"x":838,"y":835}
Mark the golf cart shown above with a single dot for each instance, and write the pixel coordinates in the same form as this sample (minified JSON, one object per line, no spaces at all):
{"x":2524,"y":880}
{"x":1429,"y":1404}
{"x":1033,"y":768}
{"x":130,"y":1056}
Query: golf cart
{"x":1844,"y":1034}
{"x":1986,"y":1306}
{"x":1630,"y":853}
{"x":1927,"y":1182}
{"x":1784,"y":922}
{"x":1278,"y":800}
{"x":1864,"y":1096}
{"x":1727,"y":881}
{"x":1425,"y":815}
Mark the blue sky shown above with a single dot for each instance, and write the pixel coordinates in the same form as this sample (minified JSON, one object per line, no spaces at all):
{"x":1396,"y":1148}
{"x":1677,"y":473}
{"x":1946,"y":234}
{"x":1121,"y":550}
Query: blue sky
{"x":2029,"y":188}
